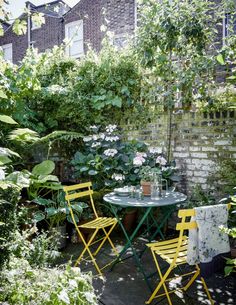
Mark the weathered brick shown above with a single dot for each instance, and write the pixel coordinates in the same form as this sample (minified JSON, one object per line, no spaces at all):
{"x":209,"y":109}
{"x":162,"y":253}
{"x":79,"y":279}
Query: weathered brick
{"x":199,"y":155}
{"x":223,"y":142}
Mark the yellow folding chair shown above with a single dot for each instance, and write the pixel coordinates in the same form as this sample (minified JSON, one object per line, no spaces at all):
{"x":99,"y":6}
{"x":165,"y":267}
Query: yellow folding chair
{"x":174,"y":252}
{"x":106,"y":224}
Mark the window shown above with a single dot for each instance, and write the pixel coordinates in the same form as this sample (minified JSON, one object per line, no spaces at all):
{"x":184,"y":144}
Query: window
{"x":74,"y":34}
{"x":229,"y":25}
{"x":7,"y":52}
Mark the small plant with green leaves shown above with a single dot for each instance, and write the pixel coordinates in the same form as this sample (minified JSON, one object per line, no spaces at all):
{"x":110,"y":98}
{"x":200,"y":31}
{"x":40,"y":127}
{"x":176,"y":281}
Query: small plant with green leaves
{"x":56,"y":211}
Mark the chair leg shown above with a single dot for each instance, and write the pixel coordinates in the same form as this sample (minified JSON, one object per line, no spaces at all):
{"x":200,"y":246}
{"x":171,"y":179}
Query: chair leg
{"x":196,"y":274}
{"x":162,"y":282}
{"x":86,"y":248}
{"x":207,"y":291}
{"x":205,"y":287}
{"x":105,"y":239}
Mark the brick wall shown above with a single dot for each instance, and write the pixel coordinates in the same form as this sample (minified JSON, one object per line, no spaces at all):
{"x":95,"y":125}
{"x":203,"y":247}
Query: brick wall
{"x":199,"y":141}
{"x":119,"y":13}
{"x":48,"y":35}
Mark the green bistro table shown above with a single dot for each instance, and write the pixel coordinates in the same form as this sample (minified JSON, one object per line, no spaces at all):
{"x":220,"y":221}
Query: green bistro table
{"x":168,"y":204}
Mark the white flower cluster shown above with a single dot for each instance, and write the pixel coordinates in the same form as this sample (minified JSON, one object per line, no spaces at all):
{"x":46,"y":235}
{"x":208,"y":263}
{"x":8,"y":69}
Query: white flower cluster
{"x":110,"y":152}
{"x":110,"y":128}
{"x":112,"y":138}
{"x":95,"y":137}
{"x":139,"y":159}
{"x":118,"y":177}
{"x":161,"y":160}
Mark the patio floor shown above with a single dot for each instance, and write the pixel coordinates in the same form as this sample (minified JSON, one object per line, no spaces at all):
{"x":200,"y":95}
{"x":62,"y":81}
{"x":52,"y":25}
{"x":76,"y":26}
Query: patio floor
{"x":124,"y":285}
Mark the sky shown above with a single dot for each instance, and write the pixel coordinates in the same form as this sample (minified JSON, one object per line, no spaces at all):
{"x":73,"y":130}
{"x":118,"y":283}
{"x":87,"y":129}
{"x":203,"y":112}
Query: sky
{"x":16,"y":6}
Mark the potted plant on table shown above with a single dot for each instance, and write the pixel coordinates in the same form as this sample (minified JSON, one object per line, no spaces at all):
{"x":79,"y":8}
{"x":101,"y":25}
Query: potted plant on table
{"x":150,"y":166}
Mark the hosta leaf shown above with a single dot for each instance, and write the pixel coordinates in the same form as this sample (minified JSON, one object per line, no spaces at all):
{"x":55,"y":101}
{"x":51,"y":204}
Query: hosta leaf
{"x":39,"y":216}
{"x":44,"y":168}
{"x":4,"y":160}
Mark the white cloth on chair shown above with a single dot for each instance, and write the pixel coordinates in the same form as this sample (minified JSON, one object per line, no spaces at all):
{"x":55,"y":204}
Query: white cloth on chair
{"x":207,"y":241}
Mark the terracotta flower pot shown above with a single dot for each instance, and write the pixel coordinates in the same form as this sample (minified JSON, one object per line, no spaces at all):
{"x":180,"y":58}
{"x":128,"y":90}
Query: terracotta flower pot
{"x":129,"y":219}
{"x":146,"y":186}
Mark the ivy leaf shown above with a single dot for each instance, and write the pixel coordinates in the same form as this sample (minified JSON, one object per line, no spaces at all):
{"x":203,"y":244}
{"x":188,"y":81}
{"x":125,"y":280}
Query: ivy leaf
{"x":117,"y":101}
{"x":220,"y":59}
{"x":38,"y":19}
{"x":20,"y":27}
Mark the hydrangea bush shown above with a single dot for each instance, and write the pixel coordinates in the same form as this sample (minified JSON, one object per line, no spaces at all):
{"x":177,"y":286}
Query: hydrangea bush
{"x":23,"y":285}
{"x":109,"y":161}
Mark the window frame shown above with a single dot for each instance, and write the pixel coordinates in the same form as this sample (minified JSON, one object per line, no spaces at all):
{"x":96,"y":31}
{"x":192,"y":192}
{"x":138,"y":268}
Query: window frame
{"x":80,"y":25}
{"x":4,"y":46}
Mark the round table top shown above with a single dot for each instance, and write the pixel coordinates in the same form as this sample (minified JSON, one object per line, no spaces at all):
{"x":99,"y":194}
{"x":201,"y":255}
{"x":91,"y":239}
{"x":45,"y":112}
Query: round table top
{"x":146,"y":202}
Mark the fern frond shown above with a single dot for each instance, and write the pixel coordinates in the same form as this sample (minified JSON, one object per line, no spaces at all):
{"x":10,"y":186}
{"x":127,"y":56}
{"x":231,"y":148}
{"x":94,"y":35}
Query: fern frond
{"x":61,"y":135}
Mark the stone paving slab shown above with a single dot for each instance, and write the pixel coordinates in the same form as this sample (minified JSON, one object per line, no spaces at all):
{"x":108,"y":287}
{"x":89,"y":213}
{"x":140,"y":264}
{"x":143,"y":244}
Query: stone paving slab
{"x":124,"y":285}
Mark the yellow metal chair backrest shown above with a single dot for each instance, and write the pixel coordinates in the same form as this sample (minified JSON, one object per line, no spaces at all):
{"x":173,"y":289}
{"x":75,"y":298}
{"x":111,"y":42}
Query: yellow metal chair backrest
{"x":78,"y":191}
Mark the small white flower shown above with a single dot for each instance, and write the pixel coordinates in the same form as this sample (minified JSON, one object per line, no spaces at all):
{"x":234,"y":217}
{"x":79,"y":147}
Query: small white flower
{"x":2,"y":174}
{"x":96,"y":144}
{"x":118,"y":177}
{"x":95,"y":137}
{"x":161,"y":160}
{"x":63,"y":296}
{"x":93,"y":127}
{"x":102,"y":136}
{"x":110,"y":152}
{"x":87,"y":139}
{"x":73,"y":284}
{"x":112,"y":139}
{"x":89,"y":296}
{"x":111,"y":128}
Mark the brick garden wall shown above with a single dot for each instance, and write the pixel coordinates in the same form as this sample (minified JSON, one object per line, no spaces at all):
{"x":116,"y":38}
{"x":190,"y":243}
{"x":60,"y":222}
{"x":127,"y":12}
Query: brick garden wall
{"x":199,"y":140}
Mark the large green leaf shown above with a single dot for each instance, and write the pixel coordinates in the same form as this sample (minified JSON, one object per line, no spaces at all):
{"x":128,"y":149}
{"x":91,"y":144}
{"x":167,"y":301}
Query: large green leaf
{"x":44,"y":168}
{"x":7,"y":152}
{"x":20,"y":178}
{"x":43,"y":178}
{"x":7,"y":119}
{"x":43,"y":201}
{"x":4,"y":160}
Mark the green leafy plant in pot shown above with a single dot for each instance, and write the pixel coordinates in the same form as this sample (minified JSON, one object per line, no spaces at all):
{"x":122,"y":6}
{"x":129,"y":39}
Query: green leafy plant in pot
{"x":56,"y":212}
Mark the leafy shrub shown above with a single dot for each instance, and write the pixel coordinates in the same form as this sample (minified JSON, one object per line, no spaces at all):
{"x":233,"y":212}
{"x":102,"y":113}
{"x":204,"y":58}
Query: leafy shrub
{"x":9,"y":197}
{"x":22,"y":285}
{"x":200,"y":197}
{"x":107,"y":160}
{"x":39,"y":249}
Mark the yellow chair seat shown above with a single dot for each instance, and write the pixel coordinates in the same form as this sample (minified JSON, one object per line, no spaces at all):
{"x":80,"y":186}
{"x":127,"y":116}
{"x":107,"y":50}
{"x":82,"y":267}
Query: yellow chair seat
{"x":167,"y":250}
{"x":100,"y":222}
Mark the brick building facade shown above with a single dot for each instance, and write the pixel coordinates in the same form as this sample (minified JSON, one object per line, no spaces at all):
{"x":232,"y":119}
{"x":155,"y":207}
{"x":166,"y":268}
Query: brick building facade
{"x":60,"y":19}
